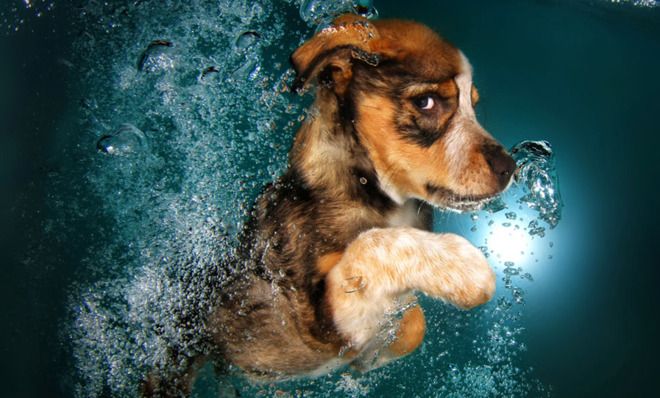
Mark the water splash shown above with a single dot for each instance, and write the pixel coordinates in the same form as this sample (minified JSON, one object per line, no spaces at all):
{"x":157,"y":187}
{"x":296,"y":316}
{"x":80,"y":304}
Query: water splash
{"x":536,"y":173}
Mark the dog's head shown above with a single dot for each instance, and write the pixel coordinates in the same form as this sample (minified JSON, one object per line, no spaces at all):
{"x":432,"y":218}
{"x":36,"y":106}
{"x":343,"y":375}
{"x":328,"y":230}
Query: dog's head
{"x":410,"y":98}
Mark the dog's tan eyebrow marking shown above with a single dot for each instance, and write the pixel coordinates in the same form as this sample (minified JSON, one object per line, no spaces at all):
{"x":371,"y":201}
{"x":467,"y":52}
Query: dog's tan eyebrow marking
{"x":445,"y":89}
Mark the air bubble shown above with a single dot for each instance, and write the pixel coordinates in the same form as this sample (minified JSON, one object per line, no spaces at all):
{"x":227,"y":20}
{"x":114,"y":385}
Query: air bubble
{"x":503,"y":304}
{"x":527,"y":276}
{"x":518,"y":295}
{"x":535,"y":229}
{"x":124,"y":141}
{"x":495,"y":205}
{"x":366,"y":9}
{"x":247,"y":40}
{"x":317,"y":12}
{"x":157,"y":57}
{"x":209,"y":74}
{"x":89,"y":104}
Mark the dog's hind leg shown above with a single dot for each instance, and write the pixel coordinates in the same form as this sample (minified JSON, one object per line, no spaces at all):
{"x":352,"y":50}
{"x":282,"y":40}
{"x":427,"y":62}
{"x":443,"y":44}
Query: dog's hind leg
{"x":171,"y":383}
{"x":408,"y":335}
{"x":381,"y":265}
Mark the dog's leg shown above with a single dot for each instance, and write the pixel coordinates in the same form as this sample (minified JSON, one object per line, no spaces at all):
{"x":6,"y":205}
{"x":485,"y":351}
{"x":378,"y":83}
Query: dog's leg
{"x":410,"y":335}
{"x":171,"y":383}
{"x":381,"y":265}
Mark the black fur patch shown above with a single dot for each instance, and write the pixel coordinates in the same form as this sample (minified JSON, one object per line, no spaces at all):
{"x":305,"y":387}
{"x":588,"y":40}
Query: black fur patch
{"x":418,"y":136}
{"x":367,"y":190}
{"x":390,"y":80}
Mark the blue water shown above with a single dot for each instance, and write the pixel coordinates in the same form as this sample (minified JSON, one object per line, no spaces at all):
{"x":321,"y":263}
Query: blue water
{"x":126,"y":170}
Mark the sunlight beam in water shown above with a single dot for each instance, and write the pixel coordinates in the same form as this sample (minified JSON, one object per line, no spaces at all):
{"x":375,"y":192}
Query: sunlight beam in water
{"x":509,"y":244}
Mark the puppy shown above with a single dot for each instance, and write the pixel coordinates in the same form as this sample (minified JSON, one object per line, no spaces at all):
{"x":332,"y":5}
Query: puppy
{"x":337,"y":246}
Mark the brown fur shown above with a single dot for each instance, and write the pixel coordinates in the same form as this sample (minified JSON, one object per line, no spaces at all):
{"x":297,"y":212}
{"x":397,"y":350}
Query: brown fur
{"x":341,"y":237}
{"x":410,"y":334}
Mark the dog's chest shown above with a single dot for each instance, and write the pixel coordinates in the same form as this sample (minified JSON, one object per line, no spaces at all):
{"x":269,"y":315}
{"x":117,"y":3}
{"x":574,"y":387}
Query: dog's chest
{"x":408,"y":215}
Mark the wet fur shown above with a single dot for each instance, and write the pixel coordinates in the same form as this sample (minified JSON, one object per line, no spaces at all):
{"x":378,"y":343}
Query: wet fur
{"x":341,"y":239}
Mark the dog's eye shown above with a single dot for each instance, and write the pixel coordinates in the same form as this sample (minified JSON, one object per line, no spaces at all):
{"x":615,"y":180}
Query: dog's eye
{"x":424,"y":102}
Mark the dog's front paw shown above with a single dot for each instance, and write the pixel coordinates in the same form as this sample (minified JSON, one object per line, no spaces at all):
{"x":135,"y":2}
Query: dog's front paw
{"x":467,"y":279}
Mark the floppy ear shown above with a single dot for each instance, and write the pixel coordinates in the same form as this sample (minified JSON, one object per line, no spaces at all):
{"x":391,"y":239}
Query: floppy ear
{"x":330,"y":53}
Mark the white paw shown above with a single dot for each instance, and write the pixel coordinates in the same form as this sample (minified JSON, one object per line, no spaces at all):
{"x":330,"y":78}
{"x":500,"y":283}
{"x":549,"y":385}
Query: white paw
{"x":467,"y":278}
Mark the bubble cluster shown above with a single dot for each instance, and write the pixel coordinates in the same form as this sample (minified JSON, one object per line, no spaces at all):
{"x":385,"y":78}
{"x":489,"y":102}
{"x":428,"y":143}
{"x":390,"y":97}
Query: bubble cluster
{"x":319,"y":13}
{"x":190,"y":118}
{"x":316,"y":12}
{"x":16,"y":16}
{"x":637,"y":3}
{"x":536,"y":172}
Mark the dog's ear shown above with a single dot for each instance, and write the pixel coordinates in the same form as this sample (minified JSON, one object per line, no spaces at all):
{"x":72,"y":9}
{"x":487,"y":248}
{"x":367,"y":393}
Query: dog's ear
{"x":330,"y":53}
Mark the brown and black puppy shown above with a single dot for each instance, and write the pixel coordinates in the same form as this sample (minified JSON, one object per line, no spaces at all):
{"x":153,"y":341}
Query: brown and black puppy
{"x":340,"y":241}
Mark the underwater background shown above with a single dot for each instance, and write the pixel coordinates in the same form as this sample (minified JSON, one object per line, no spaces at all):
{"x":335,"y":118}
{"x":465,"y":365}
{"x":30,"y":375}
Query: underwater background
{"x":135,"y":134}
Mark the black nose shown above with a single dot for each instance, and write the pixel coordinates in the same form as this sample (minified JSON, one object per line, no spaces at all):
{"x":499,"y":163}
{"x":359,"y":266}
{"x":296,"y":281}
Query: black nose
{"x":500,"y":163}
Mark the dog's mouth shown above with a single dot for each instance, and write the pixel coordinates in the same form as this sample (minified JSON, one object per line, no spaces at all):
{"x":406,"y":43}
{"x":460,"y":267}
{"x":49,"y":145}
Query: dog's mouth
{"x":447,"y":199}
